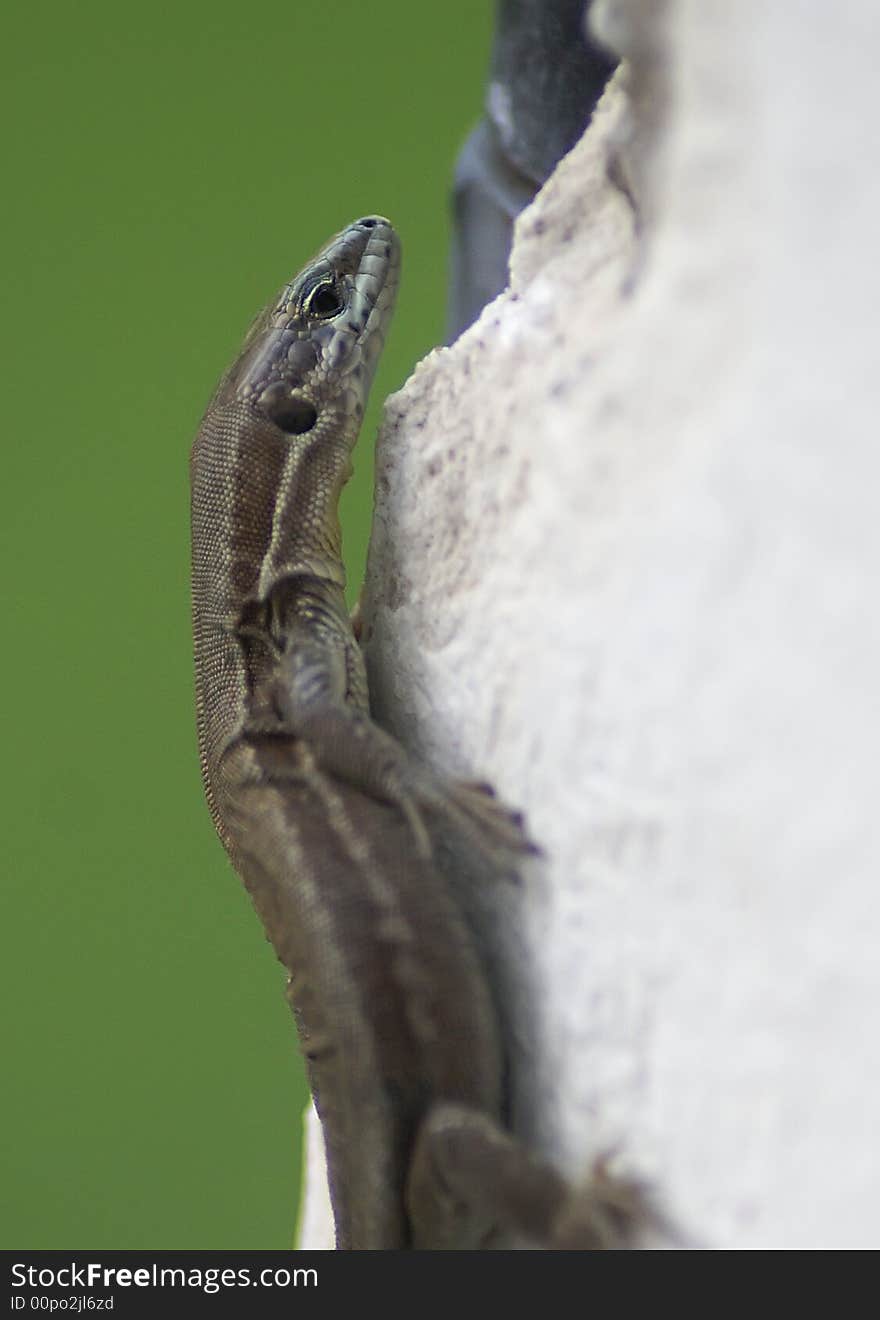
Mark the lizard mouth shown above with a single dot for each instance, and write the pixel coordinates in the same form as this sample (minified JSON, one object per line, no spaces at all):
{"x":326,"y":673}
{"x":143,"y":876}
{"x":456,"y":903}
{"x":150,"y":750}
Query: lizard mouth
{"x":375,"y":248}
{"x":367,"y":257}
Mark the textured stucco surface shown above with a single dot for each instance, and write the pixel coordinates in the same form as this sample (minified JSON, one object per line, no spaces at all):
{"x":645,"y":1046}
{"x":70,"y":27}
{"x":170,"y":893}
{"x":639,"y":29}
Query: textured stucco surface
{"x":625,"y":565}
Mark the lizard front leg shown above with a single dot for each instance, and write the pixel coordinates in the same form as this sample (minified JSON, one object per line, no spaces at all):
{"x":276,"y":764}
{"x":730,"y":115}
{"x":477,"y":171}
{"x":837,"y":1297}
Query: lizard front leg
{"x":308,"y":693}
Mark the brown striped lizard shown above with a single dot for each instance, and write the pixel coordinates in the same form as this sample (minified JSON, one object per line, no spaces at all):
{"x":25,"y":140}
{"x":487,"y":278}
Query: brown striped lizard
{"x":328,"y":820}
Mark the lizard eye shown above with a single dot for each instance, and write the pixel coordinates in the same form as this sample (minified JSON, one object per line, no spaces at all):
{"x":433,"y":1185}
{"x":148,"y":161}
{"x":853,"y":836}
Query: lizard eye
{"x":324,"y":301}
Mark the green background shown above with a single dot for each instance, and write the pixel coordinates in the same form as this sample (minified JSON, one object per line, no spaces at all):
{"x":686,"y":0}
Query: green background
{"x":167,"y":169}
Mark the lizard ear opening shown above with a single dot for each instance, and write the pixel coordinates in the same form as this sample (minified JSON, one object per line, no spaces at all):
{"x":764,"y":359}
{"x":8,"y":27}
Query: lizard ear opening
{"x":290,"y":411}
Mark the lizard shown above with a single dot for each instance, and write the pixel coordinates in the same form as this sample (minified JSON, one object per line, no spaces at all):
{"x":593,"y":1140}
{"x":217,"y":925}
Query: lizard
{"x":327,"y":819}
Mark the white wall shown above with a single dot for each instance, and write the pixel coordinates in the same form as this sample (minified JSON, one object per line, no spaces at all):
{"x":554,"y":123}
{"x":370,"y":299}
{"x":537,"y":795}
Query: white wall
{"x":626,"y":565}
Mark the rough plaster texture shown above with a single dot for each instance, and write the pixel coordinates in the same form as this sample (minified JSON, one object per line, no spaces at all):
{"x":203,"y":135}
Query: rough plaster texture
{"x":625,"y":565}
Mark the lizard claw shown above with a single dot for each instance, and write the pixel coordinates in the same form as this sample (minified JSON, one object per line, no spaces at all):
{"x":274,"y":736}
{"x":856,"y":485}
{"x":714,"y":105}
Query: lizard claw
{"x":500,"y":828}
{"x":480,"y":786}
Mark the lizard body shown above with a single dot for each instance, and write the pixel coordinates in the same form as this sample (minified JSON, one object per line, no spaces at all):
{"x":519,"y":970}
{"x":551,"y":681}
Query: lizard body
{"x":326,"y":818}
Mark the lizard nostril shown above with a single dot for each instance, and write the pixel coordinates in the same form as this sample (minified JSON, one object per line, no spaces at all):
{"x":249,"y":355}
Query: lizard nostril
{"x":367,"y":223}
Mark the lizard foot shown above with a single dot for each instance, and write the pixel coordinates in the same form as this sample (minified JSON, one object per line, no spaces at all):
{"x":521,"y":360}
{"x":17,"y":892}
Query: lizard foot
{"x":348,"y":746}
{"x":473,"y":1185}
{"x":477,"y":808}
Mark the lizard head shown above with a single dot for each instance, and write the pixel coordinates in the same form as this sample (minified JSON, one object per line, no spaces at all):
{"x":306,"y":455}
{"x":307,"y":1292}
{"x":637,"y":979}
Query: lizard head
{"x":310,"y":355}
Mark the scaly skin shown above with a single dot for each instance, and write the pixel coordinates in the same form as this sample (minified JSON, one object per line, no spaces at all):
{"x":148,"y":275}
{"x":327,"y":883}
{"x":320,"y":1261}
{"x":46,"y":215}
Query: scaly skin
{"x":327,"y":819}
